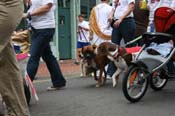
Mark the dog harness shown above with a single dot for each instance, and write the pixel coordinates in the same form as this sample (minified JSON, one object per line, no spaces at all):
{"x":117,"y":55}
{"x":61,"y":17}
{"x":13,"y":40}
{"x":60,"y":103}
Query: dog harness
{"x":133,"y":49}
{"x":128,"y":51}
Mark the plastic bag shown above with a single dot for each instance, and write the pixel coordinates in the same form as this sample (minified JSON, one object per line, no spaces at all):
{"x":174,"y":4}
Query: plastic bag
{"x":33,"y":97}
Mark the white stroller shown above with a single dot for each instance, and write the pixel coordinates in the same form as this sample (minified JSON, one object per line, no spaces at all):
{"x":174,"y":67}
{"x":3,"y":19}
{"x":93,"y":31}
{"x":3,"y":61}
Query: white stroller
{"x":151,"y":62}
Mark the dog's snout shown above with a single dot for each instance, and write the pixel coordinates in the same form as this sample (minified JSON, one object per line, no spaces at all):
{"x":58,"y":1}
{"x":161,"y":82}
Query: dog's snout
{"x":80,"y":55}
{"x":88,"y":56}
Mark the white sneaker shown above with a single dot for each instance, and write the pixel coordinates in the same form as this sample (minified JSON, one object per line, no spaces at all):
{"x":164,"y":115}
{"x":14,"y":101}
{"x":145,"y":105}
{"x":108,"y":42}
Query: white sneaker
{"x":52,"y":88}
{"x":108,"y":77}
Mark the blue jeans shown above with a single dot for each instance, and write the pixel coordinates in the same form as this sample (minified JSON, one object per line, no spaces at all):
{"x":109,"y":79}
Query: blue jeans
{"x":40,"y":47}
{"x":126,"y":31}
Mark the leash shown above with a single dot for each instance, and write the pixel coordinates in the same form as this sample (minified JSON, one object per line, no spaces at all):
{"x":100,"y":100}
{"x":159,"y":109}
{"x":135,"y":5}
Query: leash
{"x":132,"y":41}
{"x":81,"y":31}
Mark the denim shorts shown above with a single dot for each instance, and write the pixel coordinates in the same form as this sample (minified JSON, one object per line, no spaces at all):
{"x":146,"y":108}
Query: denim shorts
{"x":82,"y":44}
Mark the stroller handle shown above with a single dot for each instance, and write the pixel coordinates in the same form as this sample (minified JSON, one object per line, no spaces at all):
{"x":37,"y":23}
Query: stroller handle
{"x":157,"y":37}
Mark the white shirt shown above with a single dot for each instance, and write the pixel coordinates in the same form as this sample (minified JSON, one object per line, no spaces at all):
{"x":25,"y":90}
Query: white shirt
{"x":166,"y":3}
{"x":83,"y":35}
{"x":173,"y":4}
{"x":153,"y":5}
{"x":122,"y":8}
{"x":102,"y":14}
{"x":46,"y":20}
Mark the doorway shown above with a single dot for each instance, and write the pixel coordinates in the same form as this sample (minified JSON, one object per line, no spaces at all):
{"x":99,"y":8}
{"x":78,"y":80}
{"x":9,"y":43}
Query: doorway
{"x":64,"y":29}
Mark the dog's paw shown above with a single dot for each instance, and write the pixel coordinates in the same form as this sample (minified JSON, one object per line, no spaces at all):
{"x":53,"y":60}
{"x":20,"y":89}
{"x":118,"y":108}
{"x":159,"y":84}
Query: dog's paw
{"x":81,"y":75}
{"x":103,"y":80}
{"x":114,"y":85}
{"x":97,"y":85}
{"x":114,"y":82}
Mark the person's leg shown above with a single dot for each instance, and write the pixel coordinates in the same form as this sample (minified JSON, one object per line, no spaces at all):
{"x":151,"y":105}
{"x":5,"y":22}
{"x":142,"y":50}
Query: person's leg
{"x":51,"y":62}
{"x":10,"y":14}
{"x":11,"y":84}
{"x":35,"y":53}
{"x":116,"y":38}
{"x":128,"y":30}
{"x":140,"y":30}
{"x":53,"y":67}
{"x":111,"y":69}
{"x":78,"y":51}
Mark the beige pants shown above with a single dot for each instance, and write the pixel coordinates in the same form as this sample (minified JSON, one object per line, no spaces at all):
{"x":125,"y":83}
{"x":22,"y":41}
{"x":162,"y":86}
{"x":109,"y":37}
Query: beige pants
{"x":11,"y":84}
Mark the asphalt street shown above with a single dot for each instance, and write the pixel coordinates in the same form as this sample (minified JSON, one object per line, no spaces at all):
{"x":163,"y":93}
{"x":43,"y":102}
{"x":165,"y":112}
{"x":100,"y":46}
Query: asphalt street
{"x":82,"y":98}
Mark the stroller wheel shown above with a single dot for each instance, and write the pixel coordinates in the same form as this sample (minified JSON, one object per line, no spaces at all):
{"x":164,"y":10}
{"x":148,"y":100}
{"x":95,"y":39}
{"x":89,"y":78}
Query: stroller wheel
{"x":156,"y":82}
{"x":27,"y":94}
{"x":135,"y":83}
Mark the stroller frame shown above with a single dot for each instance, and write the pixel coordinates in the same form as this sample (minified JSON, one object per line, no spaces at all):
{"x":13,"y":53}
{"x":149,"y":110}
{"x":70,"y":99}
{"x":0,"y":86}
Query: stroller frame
{"x":148,"y":67}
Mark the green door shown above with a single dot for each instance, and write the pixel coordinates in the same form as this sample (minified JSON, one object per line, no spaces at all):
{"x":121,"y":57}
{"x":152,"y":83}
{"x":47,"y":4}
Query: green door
{"x":64,"y":33}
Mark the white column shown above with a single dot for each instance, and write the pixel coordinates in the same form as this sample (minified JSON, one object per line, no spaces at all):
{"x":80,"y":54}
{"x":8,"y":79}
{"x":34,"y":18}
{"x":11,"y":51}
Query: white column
{"x":74,"y":10}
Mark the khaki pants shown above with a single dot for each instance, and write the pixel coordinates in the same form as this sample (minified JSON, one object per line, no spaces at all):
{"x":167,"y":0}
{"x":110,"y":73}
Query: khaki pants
{"x":11,"y":84}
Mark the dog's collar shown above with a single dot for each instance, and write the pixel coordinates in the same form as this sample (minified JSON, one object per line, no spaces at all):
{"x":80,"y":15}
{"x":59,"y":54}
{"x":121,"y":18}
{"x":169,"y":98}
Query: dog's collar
{"x":116,"y":53}
{"x":119,"y":53}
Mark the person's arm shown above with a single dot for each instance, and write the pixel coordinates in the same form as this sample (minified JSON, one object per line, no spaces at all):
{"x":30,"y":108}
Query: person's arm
{"x":91,"y":33}
{"x":112,"y":12}
{"x":84,"y":28}
{"x":126,"y":13}
{"x":39,"y":11}
{"x":111,"y":15}
{"x":129,"y":10}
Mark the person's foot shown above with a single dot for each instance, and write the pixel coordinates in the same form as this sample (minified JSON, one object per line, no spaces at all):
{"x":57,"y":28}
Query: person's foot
{"x":108,"y":77}
{"x":52,"y":88}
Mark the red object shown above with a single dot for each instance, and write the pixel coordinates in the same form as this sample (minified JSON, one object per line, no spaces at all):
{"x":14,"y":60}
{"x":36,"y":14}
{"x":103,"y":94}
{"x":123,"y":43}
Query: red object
{"x":133,"y":49}
{"x":21,"y":56}
{"x":164,"y":17}
{"x":130,"y":50}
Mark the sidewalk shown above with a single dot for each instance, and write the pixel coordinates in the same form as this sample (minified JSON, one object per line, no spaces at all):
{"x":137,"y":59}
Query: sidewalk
{"x":68,"y":68}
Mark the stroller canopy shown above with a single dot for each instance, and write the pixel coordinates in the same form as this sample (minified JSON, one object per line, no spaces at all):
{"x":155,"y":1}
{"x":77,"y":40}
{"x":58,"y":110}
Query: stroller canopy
{"x":164,"y":19}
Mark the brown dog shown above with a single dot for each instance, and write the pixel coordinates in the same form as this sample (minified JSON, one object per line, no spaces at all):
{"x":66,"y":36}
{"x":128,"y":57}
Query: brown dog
{"x":95,"y":62}
{"x":120,"y":56}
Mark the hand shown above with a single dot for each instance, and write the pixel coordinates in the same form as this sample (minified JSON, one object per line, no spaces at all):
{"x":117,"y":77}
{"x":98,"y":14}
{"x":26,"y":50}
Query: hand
{"x":24,"y":15}
{"x":110,"y":19}
{"x":79,"y":27}
{"x":78,"y":31}
{"x":90,"y":37}
{"x":117,"y":23}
